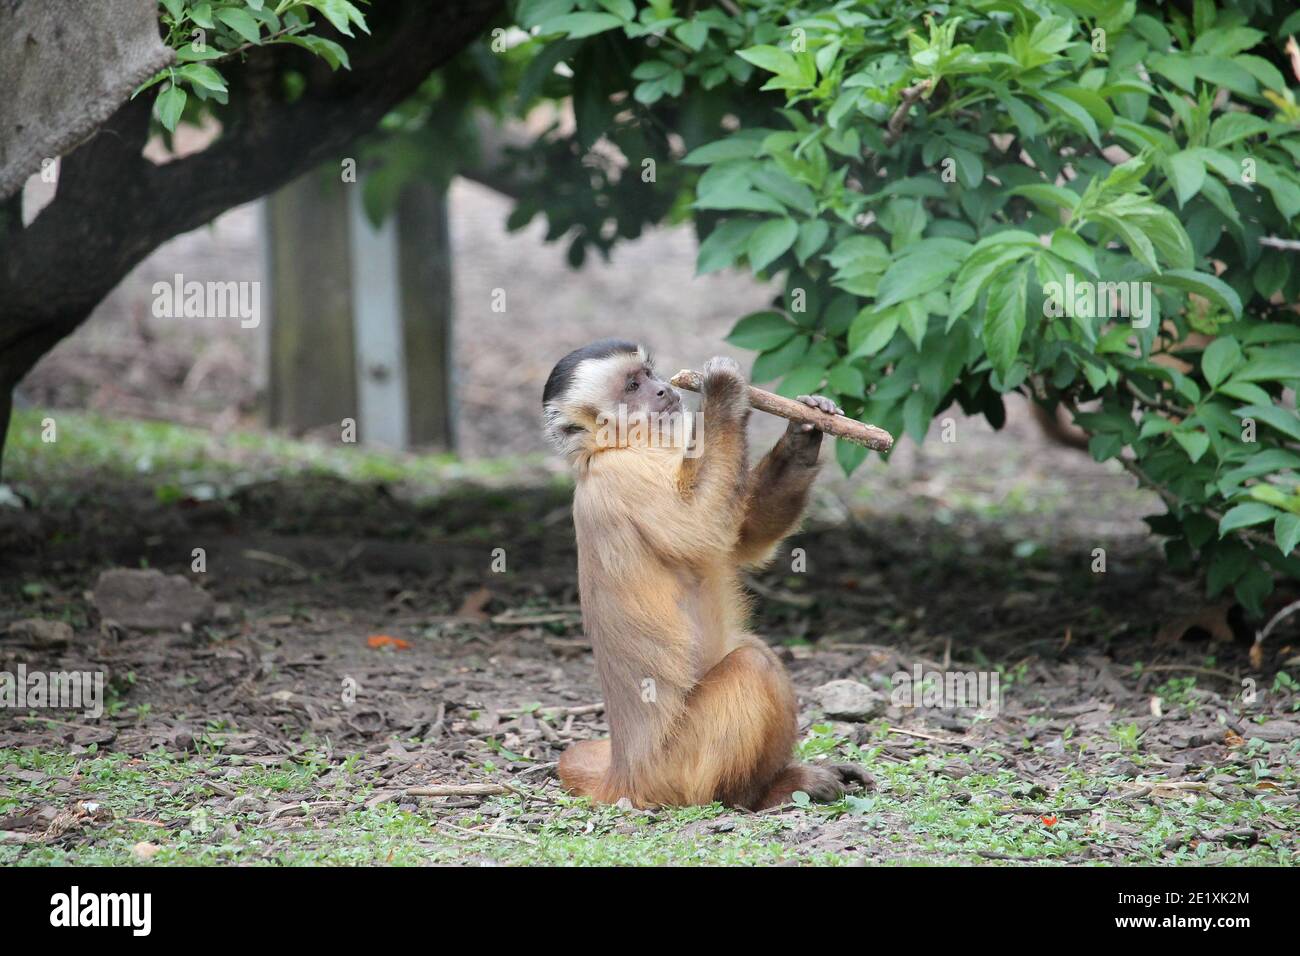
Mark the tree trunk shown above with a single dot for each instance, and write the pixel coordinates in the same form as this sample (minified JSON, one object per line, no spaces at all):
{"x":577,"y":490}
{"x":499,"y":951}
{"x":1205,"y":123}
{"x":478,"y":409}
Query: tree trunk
{"x":6,"y":413}
{"x":113,"y":206}
{"x":311,"y":379}
{"x":424,"y":244}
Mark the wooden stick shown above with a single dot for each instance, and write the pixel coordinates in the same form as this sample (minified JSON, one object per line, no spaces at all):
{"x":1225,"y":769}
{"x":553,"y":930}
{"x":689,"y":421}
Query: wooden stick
{"x":857,"y":432}
{"x":458,"y":790}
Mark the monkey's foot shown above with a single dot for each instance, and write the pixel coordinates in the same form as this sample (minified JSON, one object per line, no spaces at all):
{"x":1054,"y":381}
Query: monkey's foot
{"x":824,"y":783}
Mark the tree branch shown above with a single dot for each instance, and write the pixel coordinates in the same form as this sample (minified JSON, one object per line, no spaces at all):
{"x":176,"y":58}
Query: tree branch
{"x":113,"y":206}
{"x":896,"y":122}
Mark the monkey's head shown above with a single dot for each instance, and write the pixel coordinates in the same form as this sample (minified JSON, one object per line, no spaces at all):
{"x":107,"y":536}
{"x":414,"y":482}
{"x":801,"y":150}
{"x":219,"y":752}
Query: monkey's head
{"x":594,"y":393}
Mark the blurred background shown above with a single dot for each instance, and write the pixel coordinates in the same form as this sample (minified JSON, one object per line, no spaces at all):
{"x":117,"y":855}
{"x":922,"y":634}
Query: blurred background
{"x":505,"y":306}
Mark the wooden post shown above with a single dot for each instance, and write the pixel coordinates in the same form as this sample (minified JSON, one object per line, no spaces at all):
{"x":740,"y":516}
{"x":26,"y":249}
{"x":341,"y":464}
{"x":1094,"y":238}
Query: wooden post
{"x":377,"y":328}
{"x":311,"y":379}
{"x":424,"y":247}
{"x":360,"y":323}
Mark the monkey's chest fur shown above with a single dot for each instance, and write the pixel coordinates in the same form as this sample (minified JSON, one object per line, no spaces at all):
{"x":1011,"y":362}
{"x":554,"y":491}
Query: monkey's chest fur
{"x":657,"y":622}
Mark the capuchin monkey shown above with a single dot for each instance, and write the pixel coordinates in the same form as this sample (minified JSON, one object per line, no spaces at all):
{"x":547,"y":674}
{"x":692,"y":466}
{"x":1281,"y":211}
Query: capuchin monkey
{"x":699,"y":709}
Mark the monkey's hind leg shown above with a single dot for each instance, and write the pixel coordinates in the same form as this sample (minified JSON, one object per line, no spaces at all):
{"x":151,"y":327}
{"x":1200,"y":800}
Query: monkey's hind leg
{"x":583,"y":768}
{"x":734,"y":738}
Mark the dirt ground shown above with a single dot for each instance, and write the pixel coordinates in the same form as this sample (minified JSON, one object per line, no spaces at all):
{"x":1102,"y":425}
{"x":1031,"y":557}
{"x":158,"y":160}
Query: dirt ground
{"x":363,"y":648}
{"x":239,"y":740}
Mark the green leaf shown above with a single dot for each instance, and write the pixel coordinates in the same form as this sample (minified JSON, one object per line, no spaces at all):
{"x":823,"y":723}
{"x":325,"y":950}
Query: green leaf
{"x":916,"y":416}
{"x":1004,"y":317}
{"x":804,"y":380}
{"x":531,"y":13}
{"x":914,"y":319}
{"x":772,"y":364}
{"x":201,"y":14}
{"x":733,"y":147}
{"x":913,"y":275}
{"x":1231,"y":127}
{"x":970,"y":168}
{"x":1286,"y":531}
{"x":1219,"y":359}
{"x":1133,"y":237}
{"x":1203,"y":284}
{"x":849,"y":455}
{"x":784,"y":187}
{"x":988,"y":257}
{"x":769,"y":241}
{"x":1246,"y":515}
{"x":1188,"y":173}
{"x":624,"y":9}
{"x":1246,"y":392}
{"x":1047,"y":197}
{"x":724,"y":245}
{"x":1272,"y":363}
{"x":204,"y":76}
{"x":812,"y":236}
{"x":341,"y":14}
{"x":694,"y":33}
{"x":169,"y":106}
{"x":770,"y":58}
{"x":1195,"y":443}
{"x":242,"y":22}
{"x":1072,"y":111}
{"x":1252,"y":587}
{"x":735,"y":194}
{"x":761,"y":331}
{"x":871,"y":331}
{"x":578,"y":25}
{"x":1070,"y":247}
{"x":1281,"y":419}
{"x":847,"y":380}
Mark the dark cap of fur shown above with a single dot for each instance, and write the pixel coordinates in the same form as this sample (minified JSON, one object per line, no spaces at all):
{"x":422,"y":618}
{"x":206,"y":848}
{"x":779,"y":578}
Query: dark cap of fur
{"x":562,"y":375}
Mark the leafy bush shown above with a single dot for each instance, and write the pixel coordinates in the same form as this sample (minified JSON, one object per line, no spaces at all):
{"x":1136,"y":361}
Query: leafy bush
{"x":205,"y":32}
{"x":1090,"y":202}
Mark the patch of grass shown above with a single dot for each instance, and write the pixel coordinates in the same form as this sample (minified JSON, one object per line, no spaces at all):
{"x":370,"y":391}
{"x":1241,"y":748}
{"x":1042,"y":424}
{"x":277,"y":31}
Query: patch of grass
{"x":180,"y":460}
{"x":169,"y":789}
{"x":932,"y":808}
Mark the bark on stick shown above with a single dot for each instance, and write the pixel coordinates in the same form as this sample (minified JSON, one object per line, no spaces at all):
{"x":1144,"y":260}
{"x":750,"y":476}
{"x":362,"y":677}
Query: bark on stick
{"x":847,"y":428}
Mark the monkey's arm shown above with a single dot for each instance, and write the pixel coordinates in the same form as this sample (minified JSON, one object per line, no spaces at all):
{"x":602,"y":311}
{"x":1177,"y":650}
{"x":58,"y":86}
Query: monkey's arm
{"x":779,"y":486}
{"x":713,"y":483}
{"x":700,"y":520}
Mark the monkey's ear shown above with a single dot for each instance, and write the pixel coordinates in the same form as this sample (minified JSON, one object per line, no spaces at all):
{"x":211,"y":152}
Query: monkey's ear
{"x":564,"y":432}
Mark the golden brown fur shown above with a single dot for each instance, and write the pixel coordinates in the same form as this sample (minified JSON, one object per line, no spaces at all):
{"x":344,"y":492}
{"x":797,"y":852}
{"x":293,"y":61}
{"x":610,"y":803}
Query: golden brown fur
{"x":698,"y":709}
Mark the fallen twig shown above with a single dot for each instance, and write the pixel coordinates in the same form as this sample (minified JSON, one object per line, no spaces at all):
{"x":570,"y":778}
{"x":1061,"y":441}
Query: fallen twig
{"x":462,"y":833}
{"x":459,"y":790}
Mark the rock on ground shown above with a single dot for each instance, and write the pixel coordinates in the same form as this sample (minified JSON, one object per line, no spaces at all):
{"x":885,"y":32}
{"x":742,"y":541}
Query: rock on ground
{"x":150,"y":600}
{"x":850,"y":700}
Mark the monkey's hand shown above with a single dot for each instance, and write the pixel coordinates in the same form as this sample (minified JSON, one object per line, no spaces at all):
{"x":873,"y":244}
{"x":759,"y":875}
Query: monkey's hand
{"x":725,"y":390}
{"x":804,"y":440}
